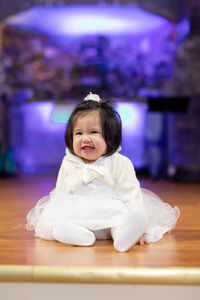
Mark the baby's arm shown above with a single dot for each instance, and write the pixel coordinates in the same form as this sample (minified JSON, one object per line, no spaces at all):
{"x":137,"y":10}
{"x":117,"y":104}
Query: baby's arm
{"x":130,"y":191}
{"x":128,"y":184}
{"x":69,"y":177}
{"x":62,"y":174}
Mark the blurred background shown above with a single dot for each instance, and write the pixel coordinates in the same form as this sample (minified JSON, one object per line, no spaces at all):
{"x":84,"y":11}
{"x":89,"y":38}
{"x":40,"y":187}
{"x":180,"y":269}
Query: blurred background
{"x":144,"y":56}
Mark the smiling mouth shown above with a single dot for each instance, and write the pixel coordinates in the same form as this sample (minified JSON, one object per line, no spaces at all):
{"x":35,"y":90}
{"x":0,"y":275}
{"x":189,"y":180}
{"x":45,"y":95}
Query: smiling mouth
{"x":87,"y":148}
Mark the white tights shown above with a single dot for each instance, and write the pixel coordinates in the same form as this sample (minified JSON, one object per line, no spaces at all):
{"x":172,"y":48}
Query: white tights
{"x":125,"y":235}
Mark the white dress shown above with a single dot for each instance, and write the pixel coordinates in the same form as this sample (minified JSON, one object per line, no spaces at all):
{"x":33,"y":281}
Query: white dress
{"x":99,"y":196}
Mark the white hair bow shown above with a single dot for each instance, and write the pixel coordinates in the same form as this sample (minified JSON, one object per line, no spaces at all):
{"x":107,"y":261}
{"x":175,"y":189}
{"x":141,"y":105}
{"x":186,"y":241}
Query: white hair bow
{"x":93,"y":97}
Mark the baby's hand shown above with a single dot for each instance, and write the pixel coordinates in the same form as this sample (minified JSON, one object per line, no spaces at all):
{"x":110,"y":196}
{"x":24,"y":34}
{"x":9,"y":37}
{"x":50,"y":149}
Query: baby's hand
{"x":142,"y":241}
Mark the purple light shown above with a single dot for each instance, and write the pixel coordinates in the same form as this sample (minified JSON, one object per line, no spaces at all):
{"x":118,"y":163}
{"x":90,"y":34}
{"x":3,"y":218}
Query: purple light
{"x":39,"y":113}
{"x":42,"y":144}
{"x":80,"y":20}
{"x":133,"y":117}
{"x":183,"y":29}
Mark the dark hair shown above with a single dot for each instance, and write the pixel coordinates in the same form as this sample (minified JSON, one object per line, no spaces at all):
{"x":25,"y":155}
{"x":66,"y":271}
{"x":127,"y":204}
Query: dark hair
{"x":110,"y":122}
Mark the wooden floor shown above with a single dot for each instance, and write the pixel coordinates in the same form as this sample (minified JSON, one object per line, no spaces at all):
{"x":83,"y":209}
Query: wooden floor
{"x":18,"y":246}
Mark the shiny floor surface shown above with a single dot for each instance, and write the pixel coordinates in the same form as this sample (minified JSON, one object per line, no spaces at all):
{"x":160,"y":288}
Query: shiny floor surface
{"x":19,"y":247}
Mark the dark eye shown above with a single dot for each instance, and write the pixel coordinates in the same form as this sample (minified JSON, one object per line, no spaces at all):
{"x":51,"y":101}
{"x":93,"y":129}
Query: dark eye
{"x":94,"y":131}
{"x":78,"y":133}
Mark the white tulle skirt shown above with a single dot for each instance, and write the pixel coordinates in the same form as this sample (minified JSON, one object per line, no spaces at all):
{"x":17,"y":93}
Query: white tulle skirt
{"x":98,"y":211}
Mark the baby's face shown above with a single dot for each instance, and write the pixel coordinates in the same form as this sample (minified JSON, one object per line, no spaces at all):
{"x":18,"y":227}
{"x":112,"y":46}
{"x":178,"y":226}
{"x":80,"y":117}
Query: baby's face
{"x":88,"y":142}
